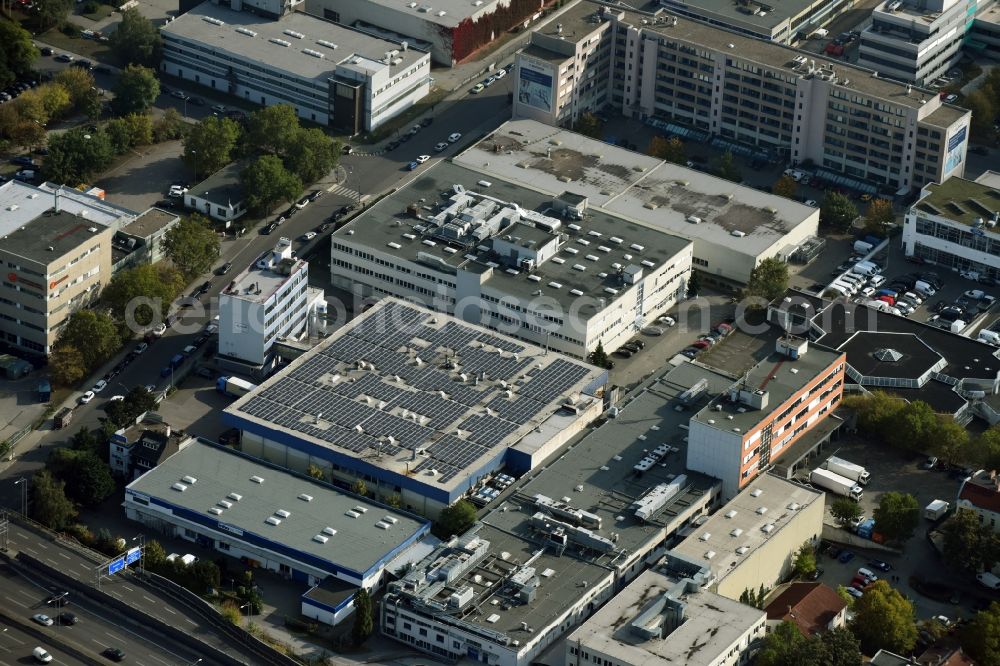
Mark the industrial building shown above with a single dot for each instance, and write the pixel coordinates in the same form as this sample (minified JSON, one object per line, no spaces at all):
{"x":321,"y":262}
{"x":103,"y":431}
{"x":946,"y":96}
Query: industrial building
{"x":332,"y":75}
{"x":543,"y":265}
{"x":954,"y":225}
{"x":782,"y":399}
{"x":667,"y":616}
{"x":733,"y":227}
{"x":753,"y":539}
{"x":707,"y":84}
{"x":418,"y":405}
{"x":277,"y":520}
{"x":784,"y":23}
{"x":270,"y":300}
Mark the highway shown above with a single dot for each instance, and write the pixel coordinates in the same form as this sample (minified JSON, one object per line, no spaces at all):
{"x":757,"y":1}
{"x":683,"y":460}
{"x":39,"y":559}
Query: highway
{"x":16,"y":647}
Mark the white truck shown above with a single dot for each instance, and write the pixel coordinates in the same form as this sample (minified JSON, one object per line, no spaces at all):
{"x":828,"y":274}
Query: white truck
{"x":986,"y":579}
{"x":847,"y":469}
{"x":836,"y":484}
{"x":935,"y":509}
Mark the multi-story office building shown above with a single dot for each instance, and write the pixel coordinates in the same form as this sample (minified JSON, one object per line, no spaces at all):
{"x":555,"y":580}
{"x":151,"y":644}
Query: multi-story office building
{"x":330,"y":74}
{"x":916,"y":41}
{"x":269,"y":301}
{"x":780,"y":400}
{"x":709,"y":84}
{"x":954,"y":224}
{"x":785,"y":23}
{"x":984,"y":37}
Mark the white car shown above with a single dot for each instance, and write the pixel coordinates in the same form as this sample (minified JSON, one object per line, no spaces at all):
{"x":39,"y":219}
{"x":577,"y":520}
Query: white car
{"x":150,"y":388}
{"x":490,"y":80}
{"x":159,"y":330}
{"x":441,"y":146}
{"x":43,"y":620}
{"x":854,"y":592}
{"x":116,"y":398}
{"x":177,"y":191}
{"x":141,"y":347}
{"x":666,"y":320}
{"x":99,"y":386}
{"x":41,"y":655}
{"x":86,"y":397}
{"x":812,"y":203}
{"x":868,"y":292}
{"x":501,"y":73}
{"x":478,"y":88}
{"x":308,"y":236}
{"x":452,"y":138}
{"x":422,"y":158}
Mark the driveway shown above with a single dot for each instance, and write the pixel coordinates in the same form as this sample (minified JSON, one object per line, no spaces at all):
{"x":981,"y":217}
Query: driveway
{"x":140,"y":179}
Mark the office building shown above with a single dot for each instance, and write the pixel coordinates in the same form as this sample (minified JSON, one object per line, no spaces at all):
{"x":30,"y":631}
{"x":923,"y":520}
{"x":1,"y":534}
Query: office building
{"x":954,"y":225}
{"x":782,"y":399}
{"x":754,"y":538}
{"x":220,"y":196}
{"x":331,"y":75}
{"x":141,"y":240}
{"x":277,"y":520}
{"x":984,"y":37}
{"x":666,"y":616}
{"x":814,"y":608}
{"x":418,"y":405}
{"x":733,"y":228}
{"x":544,"y":267}
{"x":784,"y":23}
{"x":493,"y":598}
{"x":980,"y":493}
{"x":707,"y":84}
{"x":916,"y":41}
{"x":23,"y":202}
{"x":269,"y":301}
{"x":56,"y":258}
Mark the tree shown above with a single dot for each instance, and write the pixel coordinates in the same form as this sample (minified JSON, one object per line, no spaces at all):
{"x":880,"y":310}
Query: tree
{"x":599,"y":357}
{"x":455,"y":519}
{"x":136,"y":91}
{"x":54,"y":97}
{"x":19,"y":128}
{"x":138,"y":401}
{"x":192,"y":246}
{"x":94,"y":334}
{"x":49,"y":504}
{"x":694,"y":285}
{"x":51,"y":13}
{"x":395,"y":501}
{"x":727,"y":168}
{"x":88,"y":480}
{"x":786,"y":646}
{"x":17,"y":53}
{"x":878,"y":412}
{"x":82,"y":89}
{"x":203,"y":576}
{"x":951,"y":441}
{"x":669,"y":149}
{"x":272,"y":129}
{"x":66,"y":365}
{"x":968,"y":545}
{"x":845,"y":510}
{"x":85,"y":440}
{"x":837,"y":211}
{"x":311,"y":155}
{"x":981,"y":637}
{"x":231,"y":612}
{"x":129,"y":290}
{"x":135,"y":129}
{"x":75,"y":156}
{"x":755,"y":598}
{"x":840,"y":648}
{"x":916,"y":427}
{"x":169,"y":126}
{"x":588,"y":125}
{"x":805,"y":560}
{"x":209,"y":145}
{"x":316,"y":472}
{"x":768,"y":280}
{"x":267,"y":183}
{"x":878,"y":216}
{"x":363,"y":621}
{"x":785,"y":187}
{"x":136,"y":40}
{"x":897,"y":516}
{"x":846,"y":596}
{"x":983,"y":112}
{"x":883,"y":619}
{"x":153,"y":555}
{"x":984,"y":451}
{"x":359,"y":487}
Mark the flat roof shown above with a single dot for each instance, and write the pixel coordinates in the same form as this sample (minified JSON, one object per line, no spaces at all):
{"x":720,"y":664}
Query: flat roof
{"x":22,"y":202}
{"x":882,"y":354}
{"x":63,"y":232}
{"x":634,"y":186}
{"x":448,"y":13}
{"x":257,"y":284}
{"x":945,"y":116}
{"x":222,"y":188}
{"x":960,"y":200}
{"x":358,"y":543}
{"x":711,"y":624}
{"x":780,"y":376}
{"x":391,"y":227}
{"x":201,"y":24}
{"x":417,"y":393}
{"x":768,"y":503}
{"x":767,"y":17}
{"x":149,"y":222}
{"x":597,"y":472}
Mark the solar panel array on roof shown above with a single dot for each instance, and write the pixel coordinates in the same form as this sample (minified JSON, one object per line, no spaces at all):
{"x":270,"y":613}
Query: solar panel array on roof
{"x":549,"y":382}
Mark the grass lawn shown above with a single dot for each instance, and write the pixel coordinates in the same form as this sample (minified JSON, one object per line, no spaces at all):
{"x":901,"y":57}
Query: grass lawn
{"x":88,"y":48}
{"x":103,"y":11}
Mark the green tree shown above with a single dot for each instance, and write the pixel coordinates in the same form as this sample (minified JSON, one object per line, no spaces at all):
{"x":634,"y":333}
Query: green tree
{"x":837,"y":211}
{"x":845,"y":510}
{"x":130,"y":289}
{"x":267,"y":182}
{"x":981,"y":637}
{"x":984,"y":450}
{"x":364,"y":623}
{"x":883,"y":619}
{"x":129,"y":131}
{"x":169,"y":126}
{"x":136,"y":91}
{"x":66,"y":365}
{"x":840,"y":648}
{"x":49,"y":504}
{"x":805,"y":560}
{"x":94,"y":334}
{"x":878,"y":216}
{"x":153,"y":555}
{"x":669,"y":149}
{"x":846,"y":596}
{"x":768,"y":280}
{"x":984,"y":110}
{"x":395,"y":501}
{"x":88,"y":480}
{"x":17,"y":53}
{"x":967,"y":544}
{"x":786,"y":646}
{"x":359,"y":487}
{"x":231,"y":612}
{"x":136,"y":40}
{"x":49,"y":13}
{"x":209,"y":145}
{"x":915,"y":428}
{"x":124,"y":412}
{"x":54,"y":98}
{"x":85,"y":440}
{"x":17,"y":129}
{"x":897,"y":516}
{"x":311,"y":155}
{"x":694,"y":285}
{"x":82,"y":89}
{"x":316,"y":472}
{"x":588,"y":125}
{"x":76,"y":155}
{"x":878,"y":412}
{"x":272,"y":129}
{"x":203,"y":576}
{"x":192,"y":246}
{"x":455,"y":519}
{"x":726,"y":167}
{"x":951,"y":441}
{"x":785,"y":187}
{"x":599,"y":357}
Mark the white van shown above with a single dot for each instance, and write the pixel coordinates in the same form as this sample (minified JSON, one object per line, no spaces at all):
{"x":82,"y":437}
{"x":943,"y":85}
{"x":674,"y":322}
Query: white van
{"x":849,"y":289}
{"x":876,"y":281}
{"x":852,"y":278}
{"x":870,"y":264}
{"x":924,"y":288}
{"x":990,"y":337}
{"x":862,"y":268}
{"x":840,"y":288}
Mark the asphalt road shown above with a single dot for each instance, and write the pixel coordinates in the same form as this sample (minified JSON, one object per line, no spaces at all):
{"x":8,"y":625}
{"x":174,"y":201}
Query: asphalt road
{"x":16,"y":647}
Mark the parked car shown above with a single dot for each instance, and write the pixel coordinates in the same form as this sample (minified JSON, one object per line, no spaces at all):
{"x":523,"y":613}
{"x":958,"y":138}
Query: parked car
{"x":846,"y":556}
{"x":454,"y":136}
{"x":302,"y":203}
{"x":99,"y":386}
{"x":180,"y":94}
{"x":880,"y":565}
{"x":218,"y":109}
{"x":624,"y":352}
{"x":308,"y":236}
{"x":412,"y":166}
{"x":224,"y":268}
{"x":177,"y":191}
{"x":440,"y":146}
{"x":141,"y":347}
{"x":478,"y":88}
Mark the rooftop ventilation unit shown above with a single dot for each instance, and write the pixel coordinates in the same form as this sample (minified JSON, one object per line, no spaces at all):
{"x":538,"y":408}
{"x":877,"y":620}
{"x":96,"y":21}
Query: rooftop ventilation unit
{"x":731,"y":514}
{"x":709,"y":554}
{"x":216,"y":511}
{"x":742,"y":549}
{"x":224,"y":504}
{"x":190,"y":480}
{"x":313,"y":53}
{"x":273,"y":520}
{"x":767,"y":529}
{"x":616,"y":240}
{"x":579,"y":267}
{"x":611,"y":290}
{"x":735,"y":532}
{"x":280,"y":42}
{"x":213,"y":20}
{"x":179,"y":487}
{"x":292,"y":33}
{"x":558,"y":260}
{"x":706,"y":536}
{"x":637,"y":247}
{"x":319,"y":538}
{"x":352,"y":514}
{"x":281,"y":513}
{"x":361,"y":509}
{"x":382,"y":525}
{"x":555,"y":285}
{"x":762,"y":510}
{"x":236,"y":497}
{"x":572,"y":250}
{"x":246,"y":31}
{"x":576,"y":292}
{"x":329,"y":531}
{"x":306,"y":498}
{"x":756,"y":492}
{"x":329,"y":45}
{"x":257,"y":479}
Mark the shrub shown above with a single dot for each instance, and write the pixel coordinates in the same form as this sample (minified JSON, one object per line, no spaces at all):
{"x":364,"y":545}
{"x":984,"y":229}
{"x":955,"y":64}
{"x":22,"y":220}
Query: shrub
{"x":90,"y":7}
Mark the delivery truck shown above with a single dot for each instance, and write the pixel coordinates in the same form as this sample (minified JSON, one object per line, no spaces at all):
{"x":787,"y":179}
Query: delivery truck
{"x":847,"y":469}
{"x":836,"y":484}
{"x":935,"y":509}
{"x":234,"y":387}
{"x":861,"y":247}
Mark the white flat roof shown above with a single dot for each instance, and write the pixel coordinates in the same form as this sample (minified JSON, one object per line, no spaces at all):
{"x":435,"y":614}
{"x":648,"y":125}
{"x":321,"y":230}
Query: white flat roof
{"x":448,"y":13}
{"x":20,"y":203}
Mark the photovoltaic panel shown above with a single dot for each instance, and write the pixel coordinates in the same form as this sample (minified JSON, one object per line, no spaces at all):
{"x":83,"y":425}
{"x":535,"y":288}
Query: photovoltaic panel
{"x":500,"y":343}
{"x":555,"y":379}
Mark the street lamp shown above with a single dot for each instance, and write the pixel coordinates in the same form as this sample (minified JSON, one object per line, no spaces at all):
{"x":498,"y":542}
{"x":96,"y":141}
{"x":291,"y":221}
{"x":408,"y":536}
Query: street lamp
{"x":23,"y":482}
{"x":59,"y":603}
{"x":141,"y":538}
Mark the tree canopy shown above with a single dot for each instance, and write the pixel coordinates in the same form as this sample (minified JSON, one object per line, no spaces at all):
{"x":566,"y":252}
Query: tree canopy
{"x":88,"y":480}
{"x":82,"y":89}
{"x":670,"y":149}
{"x":135,"y":292}
{"x":910,"y":426}
{"x":94,"y":334}
{"x":884,"y":619}
{"x":76,"y":155}
{"x":805,"y":560}
{"x":136,"y":40}
{"x":897,"y":516}
{"x":786,"y":646}
{"x":878,"y":215}
{"x":981,"y":637}
{"x":272,"y":129}
{"x":136,"y":91}
{"x":49,"y":13}
{"x":311,"y":155}
{"x":267,"y":183}
{"x":192,"y":246}
{"x":768,"y":280}
{"x":837,"y":211}
{"x":363,"y":617}
{"x":17,"y":53}
{"x":455,"y":519}
{"x":727,"y":167}
{"x":785,"y":187}
{"x":209,"y":145}
{"x":589,"y":125}
{"x":124,"y":412}
{"x":969,"y":545}
{"x":845,"y":510}
{"x":49,"y":504}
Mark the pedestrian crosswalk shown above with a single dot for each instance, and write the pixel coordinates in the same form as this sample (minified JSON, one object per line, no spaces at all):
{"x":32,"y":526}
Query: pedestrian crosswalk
{"x":343,"y":191}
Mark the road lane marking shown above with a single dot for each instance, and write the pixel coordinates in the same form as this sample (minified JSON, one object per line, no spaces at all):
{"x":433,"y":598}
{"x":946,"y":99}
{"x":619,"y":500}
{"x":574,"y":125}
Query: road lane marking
{"x":170,"y":610}
{"x":128,"y":588}
{"x":17,"y":602}
{"x":113,"y":637}
{"x":153,"y":656}
{"x":152,"y":601}
{"x":62,"y":554}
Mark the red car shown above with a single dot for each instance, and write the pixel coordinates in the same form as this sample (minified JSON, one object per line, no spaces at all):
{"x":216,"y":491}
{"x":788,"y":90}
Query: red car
{"x":701,"y":344}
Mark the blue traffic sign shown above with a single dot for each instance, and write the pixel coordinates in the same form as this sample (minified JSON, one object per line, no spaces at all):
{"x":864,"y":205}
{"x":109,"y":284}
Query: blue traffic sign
{"x":116,"y":566}
{"x":133,"y":555}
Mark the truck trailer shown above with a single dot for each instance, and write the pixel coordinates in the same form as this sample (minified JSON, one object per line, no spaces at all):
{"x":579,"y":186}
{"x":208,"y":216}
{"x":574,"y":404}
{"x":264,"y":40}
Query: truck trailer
{"x":847,"y":469}
{"x":234,"y":387}
{"x":935,"y":509}
{"x":836,"y":484}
